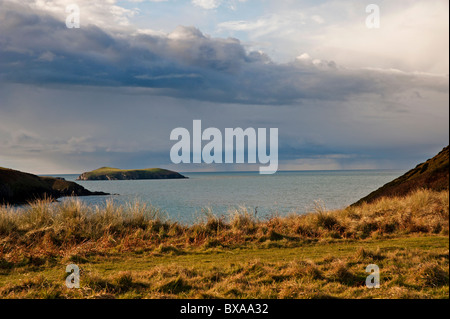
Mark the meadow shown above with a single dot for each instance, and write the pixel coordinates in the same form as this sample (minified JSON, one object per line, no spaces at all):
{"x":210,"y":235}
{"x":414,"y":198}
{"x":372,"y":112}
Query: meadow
{"x":131,"y":251}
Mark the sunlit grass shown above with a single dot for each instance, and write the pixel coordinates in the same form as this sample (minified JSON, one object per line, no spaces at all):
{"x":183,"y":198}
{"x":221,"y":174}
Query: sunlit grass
{"x":131,"y":251}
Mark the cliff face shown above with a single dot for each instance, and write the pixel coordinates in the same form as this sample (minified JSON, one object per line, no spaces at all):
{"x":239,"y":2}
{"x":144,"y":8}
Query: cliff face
{"x":18,"y":187}
{"x":433,"y":174}
{"x":108,"y":173}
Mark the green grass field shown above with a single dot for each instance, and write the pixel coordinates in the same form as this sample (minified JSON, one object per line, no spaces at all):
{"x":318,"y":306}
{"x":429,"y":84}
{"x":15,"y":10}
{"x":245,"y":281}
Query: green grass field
{"x":129,"y":252}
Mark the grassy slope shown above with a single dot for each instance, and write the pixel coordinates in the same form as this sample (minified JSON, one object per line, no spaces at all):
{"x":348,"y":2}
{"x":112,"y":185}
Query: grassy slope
{"x":109,"y":173}
{"x":433,"y":174}
{"x":128,"y":252}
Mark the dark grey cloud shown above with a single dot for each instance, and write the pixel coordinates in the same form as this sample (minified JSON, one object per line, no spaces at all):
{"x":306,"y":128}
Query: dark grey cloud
{"x":73,"y":129}
{"x":37,"y":48}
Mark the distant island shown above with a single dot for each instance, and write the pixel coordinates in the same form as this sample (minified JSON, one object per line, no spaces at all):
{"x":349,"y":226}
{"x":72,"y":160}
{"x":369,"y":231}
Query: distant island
{"x":113,"y":174}
{"x":432,"y":175}
{"x":18,"y":187}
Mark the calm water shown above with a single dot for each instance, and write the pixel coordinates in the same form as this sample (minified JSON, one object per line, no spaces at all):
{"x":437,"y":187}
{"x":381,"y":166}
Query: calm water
{"x":283,"y":193}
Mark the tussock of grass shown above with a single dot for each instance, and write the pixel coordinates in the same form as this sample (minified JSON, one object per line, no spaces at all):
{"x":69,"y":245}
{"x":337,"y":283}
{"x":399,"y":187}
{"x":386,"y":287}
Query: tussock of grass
{"x":174,"y":286}
{"x":432,"y":274}
{"x":162,"y":249}
{"x":45,"y":229}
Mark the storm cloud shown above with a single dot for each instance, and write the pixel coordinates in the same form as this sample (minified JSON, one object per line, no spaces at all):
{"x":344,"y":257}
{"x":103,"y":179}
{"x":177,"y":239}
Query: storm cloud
{"x":110,"y":92}
{"x":37,"y":48}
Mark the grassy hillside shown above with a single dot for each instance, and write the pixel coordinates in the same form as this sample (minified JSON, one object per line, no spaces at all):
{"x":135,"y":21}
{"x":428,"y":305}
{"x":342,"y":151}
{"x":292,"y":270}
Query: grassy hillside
{"x":18,"y":187}
{"x":433,"y":174}
{"x":109,"y":173}
{"x":131,"y":252}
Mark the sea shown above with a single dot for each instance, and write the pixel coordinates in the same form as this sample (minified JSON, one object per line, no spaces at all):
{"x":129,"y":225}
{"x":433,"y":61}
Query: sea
{"x":265,"y":196}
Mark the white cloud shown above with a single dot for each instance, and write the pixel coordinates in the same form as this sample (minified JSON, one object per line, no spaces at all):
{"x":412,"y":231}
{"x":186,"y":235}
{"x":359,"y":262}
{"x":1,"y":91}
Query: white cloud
{"x":214,"y":4}
{"x":268,"y":24}
{"x":413,"y":35}
{"x":207,"y":4}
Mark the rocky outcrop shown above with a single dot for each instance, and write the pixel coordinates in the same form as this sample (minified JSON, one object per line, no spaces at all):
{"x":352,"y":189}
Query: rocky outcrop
{"x":17,"y":187}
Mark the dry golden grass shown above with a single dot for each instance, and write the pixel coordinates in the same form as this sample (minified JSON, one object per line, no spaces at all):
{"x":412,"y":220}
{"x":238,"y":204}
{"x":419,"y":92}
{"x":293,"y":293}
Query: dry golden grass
{"x":45,"y":229}
{"x":111,"y":243}
{"x":406,"y":273}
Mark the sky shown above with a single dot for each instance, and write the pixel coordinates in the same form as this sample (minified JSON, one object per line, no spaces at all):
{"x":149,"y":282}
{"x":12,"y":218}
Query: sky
{"x":343,"y":96}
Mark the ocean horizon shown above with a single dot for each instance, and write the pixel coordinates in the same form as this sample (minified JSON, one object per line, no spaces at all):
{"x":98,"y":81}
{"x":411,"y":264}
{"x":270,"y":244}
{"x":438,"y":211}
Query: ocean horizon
{"x":221,"y":193}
